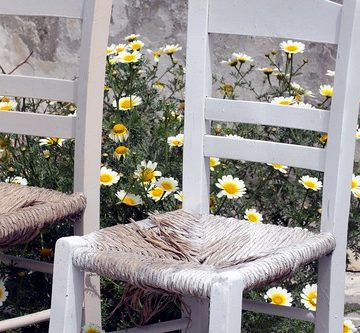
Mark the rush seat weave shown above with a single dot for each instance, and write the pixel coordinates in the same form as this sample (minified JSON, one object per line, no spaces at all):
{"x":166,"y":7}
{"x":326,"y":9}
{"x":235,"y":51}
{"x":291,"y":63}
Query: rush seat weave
{"x":178,"y":252}
{"x":25,"y":210}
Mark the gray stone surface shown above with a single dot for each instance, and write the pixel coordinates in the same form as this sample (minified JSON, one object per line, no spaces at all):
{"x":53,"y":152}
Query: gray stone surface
{"x":352,"y":296}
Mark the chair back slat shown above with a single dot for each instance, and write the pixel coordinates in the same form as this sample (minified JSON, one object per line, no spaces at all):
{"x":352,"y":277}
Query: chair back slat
{"x":265,"y":152}
{"x":38,"y":87}
{"x":37,"y":124}
{"x":266,"y":114}
{"x":315,"y":20}
{"x":63,"y":8}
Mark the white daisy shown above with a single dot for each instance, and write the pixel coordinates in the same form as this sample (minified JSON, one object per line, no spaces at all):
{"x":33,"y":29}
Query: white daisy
{"x":309,"y":297}
{"x":146,"y":172}
{"x":167,"y":184}
{"x":92,"y":328}
{"x":176,"y":141}
{"x":279,"y":167}
{"x":311,"y":183}
{"x":119,"y":133}
{"x":291,"y":47}
{"x":171,"y":49}
{"x":3,"y":293}
{"x":108,"y":177}
{"x":283,"y":100}
{"x":253,"y":216}
{"x":231,"y":187}
{"x":128,"y":199}
{"x":127,"y":103}
{"x":278,"y":296}
{"x":17,"y":180}
{"x":326,"y":90}
{"x":51,"y":142}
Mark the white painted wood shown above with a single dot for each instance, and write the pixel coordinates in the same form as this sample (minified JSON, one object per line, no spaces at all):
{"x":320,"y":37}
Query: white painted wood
{"x":30,"y":319}
{"x":318,"y":20}
{"x":226,"y":306}
{"x":338,"y":171}
{"x":197,"y":311}
{"x":68,"y":288}
{"x":266,"y":114}
{"x":281,"y":311}
{"x":38,"y":87}
{"x":37,"y":124}
{"x":198,"y":87}
{"x":29,"y":264}
{"x":63,"y":8}
{"x":168,"y":326}
{"x":95,"y":32}
{"x":265,"y":152}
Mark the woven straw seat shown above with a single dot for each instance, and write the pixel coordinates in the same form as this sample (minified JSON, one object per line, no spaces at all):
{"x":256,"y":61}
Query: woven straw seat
{"x":179,"y":253}
{"x":25,"y":210}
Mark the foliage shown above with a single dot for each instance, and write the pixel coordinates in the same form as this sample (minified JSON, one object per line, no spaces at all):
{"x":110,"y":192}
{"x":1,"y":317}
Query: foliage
{"x":146,"y":97}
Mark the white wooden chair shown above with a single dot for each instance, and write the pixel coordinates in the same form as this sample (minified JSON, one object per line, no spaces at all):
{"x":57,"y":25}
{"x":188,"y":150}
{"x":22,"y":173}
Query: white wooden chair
{"x":121,"y":252}
{"x":18,"y":222}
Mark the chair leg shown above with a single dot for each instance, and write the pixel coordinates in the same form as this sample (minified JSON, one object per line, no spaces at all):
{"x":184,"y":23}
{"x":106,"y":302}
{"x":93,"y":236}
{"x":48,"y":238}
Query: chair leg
{"x":226,"y":306}
{"x":330,"y":295}
{"x":198,"y":311}
{"x":67,"y":290}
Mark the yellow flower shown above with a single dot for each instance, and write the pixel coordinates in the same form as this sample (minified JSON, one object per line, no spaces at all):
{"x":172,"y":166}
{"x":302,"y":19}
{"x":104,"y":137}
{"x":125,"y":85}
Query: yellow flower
{"x":156,"y":54}
{"x":176,"y":141}
{"x":3,"y":293}
{"x":279,"y":167}
{"x":311,"y":183}
{"x":121,"y":151}
{"x":111,"y":50}
{"x":323,"y":139}
{"x":119,"y":133}
{"x":357,"y":135}
{"x":283,"y":100}
{"x":242,"y":57}
{"x":291,"y":47}
{"x":179,"y":196}
{"x":91,"y":328}
{"x":278,"y":296}
{"x":253,"y":216}
{"x":349,"y":327}
{"x":132,"y":37}
{"x":231,"y":187}
{"x":355,"y":183}
{"x":167,"y":184}
{"x":8,"y":106}
{"x":159,"y":86}
{"x":146,"y":172}
{"x":120,"y":48}
{"x":108,"y":177}
{"x":356,"y":194}
{"x":171,"y":49}
{"x":51,"y":142}
{"x":157,"y":193}
{"x":127,"y":103}
{"x":309,"y":297}
{"x":126,"y":57}
{"x":136,"y":45}
{"x":227,"y":89}
{"x":128,"y":199}
{"x":326,"y":90}
{"x":214,"y":162}
{"x":233,"y":61}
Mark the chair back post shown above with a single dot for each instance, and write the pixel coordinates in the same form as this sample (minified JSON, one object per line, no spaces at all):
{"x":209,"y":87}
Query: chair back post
{"x":198,"y":86}
{"x":88,"y":137}
{"x":338,"y":169}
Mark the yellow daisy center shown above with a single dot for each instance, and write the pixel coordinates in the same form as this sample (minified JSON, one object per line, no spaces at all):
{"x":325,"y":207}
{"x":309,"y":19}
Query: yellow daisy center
{"x":278,"y":299}
{"x":129,"y":201}
{"x":5,"y":99}
{"x":354,"y":184}
{"x":157,"y":192}
{"x":310,"y":184}
{"x":136,"y":46}
{"x":167,"y":185}
{"x":105,"y":178}
{"x":277,"y":166}
{"x":252,"y":217}
{"x":312,"y":298}
{"x":347,"y":329}
{"x":2,"y":293}
{"x":147,"y":175}
{"x":292,"y":48}
{"x":328,"y":92}
{"x":284,"y":102}
{"x":129,"y":57}
{"x":230,"y":188}
{"x":7,"y":107}
{"x":92,"y":330}
{"x":119,"y":129}
{"x":127,"y":103}
{"x":120,"y":49}
{"x":121,"y":150}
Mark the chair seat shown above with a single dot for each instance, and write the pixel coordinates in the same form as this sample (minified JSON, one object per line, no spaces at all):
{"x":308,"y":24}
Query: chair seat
{"x":179,"y":252}
{"x":25,"y":210}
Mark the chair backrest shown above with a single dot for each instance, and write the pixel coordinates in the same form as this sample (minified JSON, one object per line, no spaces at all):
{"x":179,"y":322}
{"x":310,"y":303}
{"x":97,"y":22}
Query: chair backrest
{"x":86,"y":92}
{"x":321,"y":21}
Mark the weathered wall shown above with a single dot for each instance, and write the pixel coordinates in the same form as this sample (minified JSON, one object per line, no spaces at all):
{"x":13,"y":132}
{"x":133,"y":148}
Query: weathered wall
{"x":56,"y":41}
